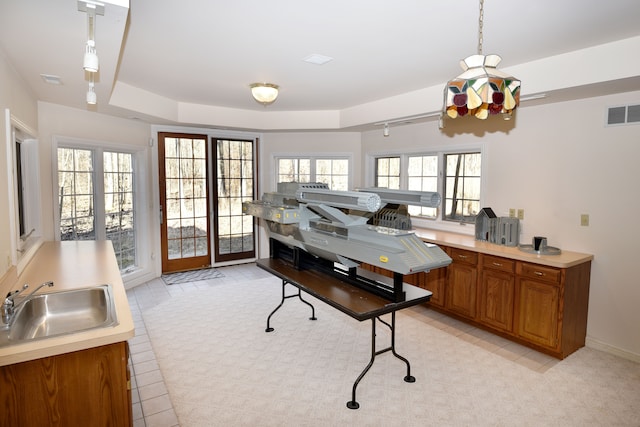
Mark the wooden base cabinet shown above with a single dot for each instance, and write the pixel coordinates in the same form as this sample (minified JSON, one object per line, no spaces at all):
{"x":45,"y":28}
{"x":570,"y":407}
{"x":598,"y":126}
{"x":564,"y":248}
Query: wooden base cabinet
{"x":434,"y":281}
{"x":538,"y":312}
{"x":83,"y":388}
{"x":496,"y":292}
{"x":462,"y":283}
{"x":552,"y":306}
{"x":539,"y":306}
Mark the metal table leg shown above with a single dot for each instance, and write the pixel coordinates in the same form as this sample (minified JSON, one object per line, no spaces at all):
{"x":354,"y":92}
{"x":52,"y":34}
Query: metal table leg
{"x":284,"y":296}
{"x":353,"y":404}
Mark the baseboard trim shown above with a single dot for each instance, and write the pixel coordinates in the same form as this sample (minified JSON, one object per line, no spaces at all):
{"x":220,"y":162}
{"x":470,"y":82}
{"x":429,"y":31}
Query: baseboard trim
{"x":607,"y":348}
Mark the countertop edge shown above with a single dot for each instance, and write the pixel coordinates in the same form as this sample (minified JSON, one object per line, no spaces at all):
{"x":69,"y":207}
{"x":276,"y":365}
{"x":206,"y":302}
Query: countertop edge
{"x":565,"y":259}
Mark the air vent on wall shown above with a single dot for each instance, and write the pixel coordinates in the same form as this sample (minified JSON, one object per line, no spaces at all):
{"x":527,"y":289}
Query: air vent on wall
{"x":625,"y":115}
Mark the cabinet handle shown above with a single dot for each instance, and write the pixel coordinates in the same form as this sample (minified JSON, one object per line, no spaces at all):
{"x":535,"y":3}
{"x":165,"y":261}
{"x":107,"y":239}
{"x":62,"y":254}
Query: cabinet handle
{"x":497,"y":264}
{"x":538,"y":273}
{"x":462,"y":256}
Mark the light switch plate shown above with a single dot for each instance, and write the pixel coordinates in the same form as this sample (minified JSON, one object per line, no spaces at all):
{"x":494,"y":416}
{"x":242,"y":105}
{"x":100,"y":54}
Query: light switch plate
{"x":521,"y":214}
{"x":584,"y":220}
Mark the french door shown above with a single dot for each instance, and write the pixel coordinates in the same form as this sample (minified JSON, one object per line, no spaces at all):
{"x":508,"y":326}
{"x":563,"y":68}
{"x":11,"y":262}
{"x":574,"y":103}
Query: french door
{"x":186,"y":226}
{"x":184,"y":201}
{"x":234,"y":183}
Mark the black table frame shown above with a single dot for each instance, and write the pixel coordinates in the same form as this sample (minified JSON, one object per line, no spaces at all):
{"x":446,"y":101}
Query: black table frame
{"x":338,"y":294}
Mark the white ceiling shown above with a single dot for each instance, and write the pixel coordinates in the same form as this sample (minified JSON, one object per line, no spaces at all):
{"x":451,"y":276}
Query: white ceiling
{"x":192,"y":61}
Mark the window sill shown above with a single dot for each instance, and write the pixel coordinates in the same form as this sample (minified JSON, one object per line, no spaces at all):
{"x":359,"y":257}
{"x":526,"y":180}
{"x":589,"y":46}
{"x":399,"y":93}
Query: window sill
{"x":29,"y":249}
{"x":453,"y":227}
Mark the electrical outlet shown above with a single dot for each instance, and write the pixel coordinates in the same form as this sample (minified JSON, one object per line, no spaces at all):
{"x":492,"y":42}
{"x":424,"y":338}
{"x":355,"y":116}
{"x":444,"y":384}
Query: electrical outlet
{"x":521,"y":214}
{"x":584,"y":220}
{"x":512,"y":213}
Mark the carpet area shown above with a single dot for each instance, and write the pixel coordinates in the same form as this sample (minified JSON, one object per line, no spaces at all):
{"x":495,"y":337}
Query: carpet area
{"x":222,"y":369}
{"x":191,"y":276}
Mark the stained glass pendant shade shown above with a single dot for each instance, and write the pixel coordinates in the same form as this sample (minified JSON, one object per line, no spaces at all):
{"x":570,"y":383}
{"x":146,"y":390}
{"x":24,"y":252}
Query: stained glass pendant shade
{"x":481,"y":90}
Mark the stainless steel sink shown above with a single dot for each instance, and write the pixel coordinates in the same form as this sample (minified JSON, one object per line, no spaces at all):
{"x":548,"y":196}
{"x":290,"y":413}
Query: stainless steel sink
{"x":61,"y":313}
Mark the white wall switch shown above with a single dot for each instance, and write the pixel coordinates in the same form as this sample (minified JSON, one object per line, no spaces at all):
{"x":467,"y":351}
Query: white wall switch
{"x":584,"y":220}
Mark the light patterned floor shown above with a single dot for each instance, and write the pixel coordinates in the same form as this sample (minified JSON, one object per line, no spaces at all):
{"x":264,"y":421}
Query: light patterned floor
{"x":152,"y":406}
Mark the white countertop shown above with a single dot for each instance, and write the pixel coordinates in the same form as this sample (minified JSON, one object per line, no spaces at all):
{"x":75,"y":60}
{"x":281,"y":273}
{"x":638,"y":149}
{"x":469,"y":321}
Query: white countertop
{"x":565,"y":259}
{"x":72,"y":265}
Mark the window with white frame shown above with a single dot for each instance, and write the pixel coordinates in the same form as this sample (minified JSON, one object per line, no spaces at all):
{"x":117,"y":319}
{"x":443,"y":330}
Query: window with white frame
{"x":294,"y":170}
{"x":388,"y":172}
{"x":96,"y":198}
{"x":460,"y":185}
{"x":334,"y":171}
{"x":463,"y":173}
{"x":23,"y":168}
{"x":422,"y":175}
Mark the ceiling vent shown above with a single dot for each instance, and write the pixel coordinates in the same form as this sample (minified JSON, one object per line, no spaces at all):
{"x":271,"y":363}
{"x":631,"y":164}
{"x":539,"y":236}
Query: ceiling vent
{"x":625,"y":115}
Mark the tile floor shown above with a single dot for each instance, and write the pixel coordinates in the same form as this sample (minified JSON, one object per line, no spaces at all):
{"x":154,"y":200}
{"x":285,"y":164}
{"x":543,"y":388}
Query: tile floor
{"x":152,"y":405}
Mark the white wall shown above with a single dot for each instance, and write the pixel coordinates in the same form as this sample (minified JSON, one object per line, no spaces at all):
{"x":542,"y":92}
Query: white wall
{"x":557,"y":162}
{"x":315,"y":143}
{"x":293,"y":143}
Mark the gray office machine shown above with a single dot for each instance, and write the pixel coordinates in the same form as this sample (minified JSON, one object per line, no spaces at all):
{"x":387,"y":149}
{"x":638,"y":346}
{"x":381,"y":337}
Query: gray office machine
{"x":333,"y":225}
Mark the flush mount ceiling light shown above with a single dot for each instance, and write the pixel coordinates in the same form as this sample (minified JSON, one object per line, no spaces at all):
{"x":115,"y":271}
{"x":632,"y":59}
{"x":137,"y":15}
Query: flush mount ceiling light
{"x":481,"y":90}
{"x":264,"y":93}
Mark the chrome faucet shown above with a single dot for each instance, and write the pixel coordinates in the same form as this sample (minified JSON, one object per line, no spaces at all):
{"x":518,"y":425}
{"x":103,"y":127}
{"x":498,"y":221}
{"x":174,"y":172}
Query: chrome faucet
{"x":9,"y":307}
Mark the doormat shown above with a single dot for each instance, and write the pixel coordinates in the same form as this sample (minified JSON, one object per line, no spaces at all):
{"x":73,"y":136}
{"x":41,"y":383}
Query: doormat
{"x":191,"y":276}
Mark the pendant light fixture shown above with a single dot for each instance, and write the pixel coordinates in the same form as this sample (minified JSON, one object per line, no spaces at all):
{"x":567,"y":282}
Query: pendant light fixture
{"x":481,"y":90}
{"x":92,"y":98}
{"x":264,"y":93}
{"x":91,"y":62}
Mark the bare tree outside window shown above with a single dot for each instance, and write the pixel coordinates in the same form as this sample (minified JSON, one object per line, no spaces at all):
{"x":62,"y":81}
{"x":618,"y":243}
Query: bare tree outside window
{"x":75,"y":194}
{"x":456,"y":176}
{"x":332,"y":171}
{"x":388,"y":172}
{"x":423,"y":176}
{"x":462,"y":186}
{"x":96,"y":199}
{"x":294,"y":170}
{"x":235,"y":185}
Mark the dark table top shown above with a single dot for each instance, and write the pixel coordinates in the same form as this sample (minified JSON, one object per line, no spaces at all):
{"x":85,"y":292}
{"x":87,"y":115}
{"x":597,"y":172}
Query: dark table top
{"x":351,"y":300}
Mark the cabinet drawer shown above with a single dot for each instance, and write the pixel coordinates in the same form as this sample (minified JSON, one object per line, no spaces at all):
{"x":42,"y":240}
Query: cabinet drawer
{"x":539,"y":272}
{"x":498,"y":263}
{"x":460,"y":255}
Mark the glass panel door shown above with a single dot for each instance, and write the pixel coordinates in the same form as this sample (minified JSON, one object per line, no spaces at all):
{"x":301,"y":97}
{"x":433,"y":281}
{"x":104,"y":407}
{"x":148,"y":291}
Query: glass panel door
{"x":234,"y":182}
{"x":184,"y":201}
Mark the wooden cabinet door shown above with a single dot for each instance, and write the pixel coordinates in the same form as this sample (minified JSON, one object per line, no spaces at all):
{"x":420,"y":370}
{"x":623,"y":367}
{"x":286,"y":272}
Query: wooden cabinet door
{"x":87,"y":387}
{"x":434,"y":281}
{"x":538,"y":312}
{"x":497,"y":299}
{"x":462,"y":289}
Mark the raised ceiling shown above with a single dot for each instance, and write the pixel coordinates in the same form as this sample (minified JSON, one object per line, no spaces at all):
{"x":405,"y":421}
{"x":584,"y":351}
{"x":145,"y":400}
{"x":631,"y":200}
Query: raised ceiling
{"x":191,"y":62}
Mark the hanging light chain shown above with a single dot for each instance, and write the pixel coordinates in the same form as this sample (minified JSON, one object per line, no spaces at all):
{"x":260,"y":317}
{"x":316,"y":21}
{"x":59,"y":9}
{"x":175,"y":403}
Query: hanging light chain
{"x":480,"y":22}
